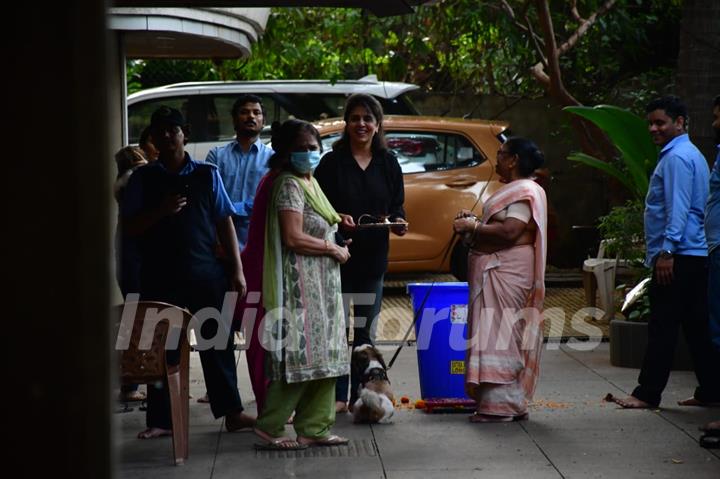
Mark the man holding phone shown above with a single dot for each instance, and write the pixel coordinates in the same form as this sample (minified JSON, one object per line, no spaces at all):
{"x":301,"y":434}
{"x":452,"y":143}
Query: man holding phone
{"x":178,"y":209}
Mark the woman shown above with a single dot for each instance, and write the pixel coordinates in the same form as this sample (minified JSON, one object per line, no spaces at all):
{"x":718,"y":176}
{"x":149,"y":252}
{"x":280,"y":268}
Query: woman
{"x":506,"y":274}
{"x":360,"y":177}
{"x":250,"y":310}
{"x":303,"y":329}
{"x":127,"y":261}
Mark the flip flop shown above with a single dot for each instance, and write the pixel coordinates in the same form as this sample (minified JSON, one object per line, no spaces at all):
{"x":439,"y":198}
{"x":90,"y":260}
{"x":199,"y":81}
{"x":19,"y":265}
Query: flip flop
{"x":330,"y":440}
{"x":710,"y":432}
{"x":280,"y":444}
{"x":710,"y":442}
{"x":481,"y":418}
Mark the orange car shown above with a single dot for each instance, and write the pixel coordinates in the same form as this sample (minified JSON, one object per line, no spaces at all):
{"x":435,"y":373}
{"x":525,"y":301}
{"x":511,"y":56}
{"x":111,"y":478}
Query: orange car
{"x":447,"y":164}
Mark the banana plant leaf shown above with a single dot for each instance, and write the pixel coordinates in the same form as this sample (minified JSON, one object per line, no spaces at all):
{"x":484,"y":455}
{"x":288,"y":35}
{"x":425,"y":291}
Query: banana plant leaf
{"x":628,"y":133}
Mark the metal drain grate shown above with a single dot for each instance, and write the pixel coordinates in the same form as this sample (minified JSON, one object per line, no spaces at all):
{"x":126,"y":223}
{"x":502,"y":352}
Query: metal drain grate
{"x":361,"y":448}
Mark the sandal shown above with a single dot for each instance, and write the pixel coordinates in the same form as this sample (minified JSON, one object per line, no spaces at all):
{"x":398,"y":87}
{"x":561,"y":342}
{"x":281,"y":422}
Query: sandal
{"x":329,"y":440}
{"x":479,"y":417}
{"x":709,"y":441}
{"x":280,"y":444}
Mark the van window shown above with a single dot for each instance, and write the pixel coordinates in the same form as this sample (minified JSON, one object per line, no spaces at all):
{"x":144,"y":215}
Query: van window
{"x":140,"y":113}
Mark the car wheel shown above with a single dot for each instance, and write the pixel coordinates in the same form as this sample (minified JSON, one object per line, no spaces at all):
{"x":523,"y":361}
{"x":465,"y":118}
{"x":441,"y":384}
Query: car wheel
{"x":459,"y":261}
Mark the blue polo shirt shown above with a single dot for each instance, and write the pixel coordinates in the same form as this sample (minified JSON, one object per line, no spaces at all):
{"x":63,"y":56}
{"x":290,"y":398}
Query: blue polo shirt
{"x":712,"y":210}
{"x":133,"y":199}
{"x":181,"y":246}
{"x":241,"y":173}
{"x":676,"y":199}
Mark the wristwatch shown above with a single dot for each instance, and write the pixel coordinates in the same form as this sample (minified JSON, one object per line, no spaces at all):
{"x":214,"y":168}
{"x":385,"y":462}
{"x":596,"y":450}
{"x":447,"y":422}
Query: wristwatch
{"x":665,"y":254}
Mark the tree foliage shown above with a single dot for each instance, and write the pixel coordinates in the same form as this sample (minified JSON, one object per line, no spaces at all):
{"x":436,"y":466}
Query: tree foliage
{"x":485,"y":47}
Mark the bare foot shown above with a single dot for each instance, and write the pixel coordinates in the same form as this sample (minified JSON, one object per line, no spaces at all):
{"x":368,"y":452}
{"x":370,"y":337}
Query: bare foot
{"x":132,"y":396}
{"x":630,"y":402}
{"x":340,"y":407}
{"x":154,"y":432}
{"x":237,"y":421}
{"x":204,"y":398}
{"x":694,"y":402}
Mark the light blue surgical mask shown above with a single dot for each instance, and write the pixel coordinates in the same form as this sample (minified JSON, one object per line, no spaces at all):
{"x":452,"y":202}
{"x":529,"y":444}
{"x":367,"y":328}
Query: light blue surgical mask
{"x":304,"y":161}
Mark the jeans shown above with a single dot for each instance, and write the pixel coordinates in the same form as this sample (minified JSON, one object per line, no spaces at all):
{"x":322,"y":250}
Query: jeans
{"x":366,"y":294}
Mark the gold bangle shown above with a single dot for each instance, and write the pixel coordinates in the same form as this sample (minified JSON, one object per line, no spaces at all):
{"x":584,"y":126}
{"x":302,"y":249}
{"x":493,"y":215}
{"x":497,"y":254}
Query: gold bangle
{"x":327,"y":245}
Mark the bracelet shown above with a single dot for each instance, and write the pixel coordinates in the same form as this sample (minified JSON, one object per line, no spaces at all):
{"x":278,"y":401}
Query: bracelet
{"x":327,"y":245}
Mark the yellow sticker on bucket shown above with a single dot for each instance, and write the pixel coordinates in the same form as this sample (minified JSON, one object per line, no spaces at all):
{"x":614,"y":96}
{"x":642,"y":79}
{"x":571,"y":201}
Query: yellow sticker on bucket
{"x":457,"y":367}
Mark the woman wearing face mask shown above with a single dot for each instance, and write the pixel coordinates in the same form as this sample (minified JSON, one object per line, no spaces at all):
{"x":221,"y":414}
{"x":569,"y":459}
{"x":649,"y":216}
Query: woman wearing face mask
{"x":303,"y":328}
{"x":361,"y":177}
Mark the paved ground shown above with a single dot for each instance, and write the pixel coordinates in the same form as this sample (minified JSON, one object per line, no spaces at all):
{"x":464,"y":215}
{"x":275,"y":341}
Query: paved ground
{"x":571,"y":433}
{"x":561,"y":305}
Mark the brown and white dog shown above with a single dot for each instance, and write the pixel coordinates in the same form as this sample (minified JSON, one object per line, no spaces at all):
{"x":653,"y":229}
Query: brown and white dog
{"x":376,"y":401}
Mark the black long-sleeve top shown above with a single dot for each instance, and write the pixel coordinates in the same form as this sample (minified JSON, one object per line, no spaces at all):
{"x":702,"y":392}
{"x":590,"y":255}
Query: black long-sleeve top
{"x":377,"y":190}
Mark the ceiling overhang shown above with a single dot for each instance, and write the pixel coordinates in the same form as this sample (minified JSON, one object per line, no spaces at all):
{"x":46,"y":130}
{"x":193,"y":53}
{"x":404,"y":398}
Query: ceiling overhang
{"x":188,"y":32}
{"x":381,"y":8}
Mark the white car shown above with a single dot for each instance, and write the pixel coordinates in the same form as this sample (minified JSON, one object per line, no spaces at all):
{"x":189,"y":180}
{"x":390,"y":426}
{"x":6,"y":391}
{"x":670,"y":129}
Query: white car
{"x":206,"y":105}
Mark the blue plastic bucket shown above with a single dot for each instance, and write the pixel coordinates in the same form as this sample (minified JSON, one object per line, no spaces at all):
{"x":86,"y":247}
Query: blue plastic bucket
{"x":441,"y":332}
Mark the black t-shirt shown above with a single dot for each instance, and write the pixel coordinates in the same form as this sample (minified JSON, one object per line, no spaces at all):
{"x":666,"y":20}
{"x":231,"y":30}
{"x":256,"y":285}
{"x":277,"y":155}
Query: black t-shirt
{"x":377,"y":190}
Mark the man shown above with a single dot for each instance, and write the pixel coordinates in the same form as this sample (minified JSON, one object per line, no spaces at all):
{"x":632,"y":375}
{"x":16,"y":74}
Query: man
{"x":677,"y":254}
{"x":243,"y":161}
{"x":711,"y":438}
{"x":178,"y":209}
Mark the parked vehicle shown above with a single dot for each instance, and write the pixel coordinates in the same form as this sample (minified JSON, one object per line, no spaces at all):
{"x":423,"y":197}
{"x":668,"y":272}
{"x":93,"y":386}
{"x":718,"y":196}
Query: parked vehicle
{"x":448,"y":164}
{"x":206,"y":105}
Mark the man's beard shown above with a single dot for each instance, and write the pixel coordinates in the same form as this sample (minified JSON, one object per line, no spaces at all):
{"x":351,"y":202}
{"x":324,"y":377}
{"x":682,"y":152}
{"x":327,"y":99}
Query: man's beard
{"x":248,"y":133}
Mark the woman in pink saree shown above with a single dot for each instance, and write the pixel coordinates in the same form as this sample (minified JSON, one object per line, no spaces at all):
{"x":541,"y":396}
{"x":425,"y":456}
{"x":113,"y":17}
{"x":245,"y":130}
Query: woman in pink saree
{"x":506,"y":274}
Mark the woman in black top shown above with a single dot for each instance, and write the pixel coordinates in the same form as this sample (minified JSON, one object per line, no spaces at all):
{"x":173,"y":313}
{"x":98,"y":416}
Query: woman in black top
{"x":361,"y":177}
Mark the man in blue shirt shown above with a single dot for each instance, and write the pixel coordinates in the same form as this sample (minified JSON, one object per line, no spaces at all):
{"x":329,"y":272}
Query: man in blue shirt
{"x":677,"y":253}
{"x":711,"y":439}
{"x":243,"y":161}
{"x":178,"y":209}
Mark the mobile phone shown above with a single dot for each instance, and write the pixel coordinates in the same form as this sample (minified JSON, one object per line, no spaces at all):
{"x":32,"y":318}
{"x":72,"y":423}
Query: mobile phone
{"x":339,"y":239}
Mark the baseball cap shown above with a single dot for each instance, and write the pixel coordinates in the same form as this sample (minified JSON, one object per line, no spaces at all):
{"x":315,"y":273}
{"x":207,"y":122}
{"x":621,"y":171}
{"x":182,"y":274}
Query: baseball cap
{"x":166,"y":116}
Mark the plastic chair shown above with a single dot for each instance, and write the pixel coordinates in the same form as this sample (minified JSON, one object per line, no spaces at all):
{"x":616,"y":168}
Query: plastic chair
{"x":599,"y":277}
{"x":144,"y":330}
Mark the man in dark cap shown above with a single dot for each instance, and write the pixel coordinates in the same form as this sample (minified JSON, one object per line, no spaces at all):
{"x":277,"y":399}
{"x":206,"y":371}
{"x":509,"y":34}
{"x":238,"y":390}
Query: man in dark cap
{"x":179,"y":210}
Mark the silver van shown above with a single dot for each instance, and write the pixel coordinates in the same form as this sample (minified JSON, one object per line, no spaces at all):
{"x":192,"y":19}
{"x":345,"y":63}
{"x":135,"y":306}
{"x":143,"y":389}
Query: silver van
{"x":207,"y":105}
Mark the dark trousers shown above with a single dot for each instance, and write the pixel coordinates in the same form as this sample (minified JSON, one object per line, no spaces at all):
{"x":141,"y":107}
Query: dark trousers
{"x":218,"y":365}
{"x":683,"y":302}
{"x":364,"y":315}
